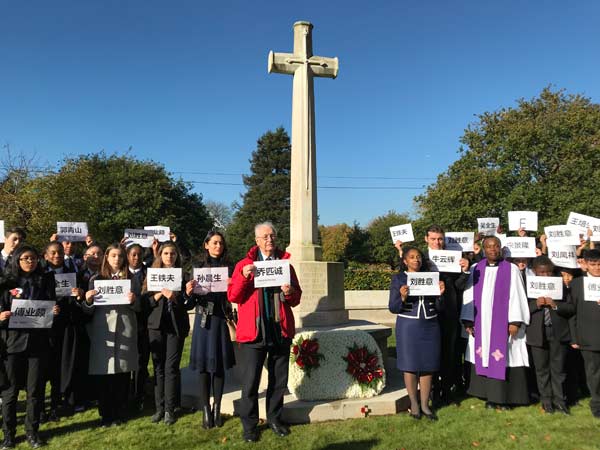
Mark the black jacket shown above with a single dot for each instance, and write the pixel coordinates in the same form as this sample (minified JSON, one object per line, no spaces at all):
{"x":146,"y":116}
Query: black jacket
{"x":585,"y":323}
{"x":560,"y":322}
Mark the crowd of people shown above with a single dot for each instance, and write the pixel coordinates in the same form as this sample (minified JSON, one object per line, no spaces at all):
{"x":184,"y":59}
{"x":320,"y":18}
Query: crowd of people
{"x":98,"y":355}
{"x":484,"y":337}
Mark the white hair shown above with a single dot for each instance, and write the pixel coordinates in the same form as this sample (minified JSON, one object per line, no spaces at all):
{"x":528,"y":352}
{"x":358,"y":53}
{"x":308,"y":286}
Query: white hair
{"x":267,"y":223}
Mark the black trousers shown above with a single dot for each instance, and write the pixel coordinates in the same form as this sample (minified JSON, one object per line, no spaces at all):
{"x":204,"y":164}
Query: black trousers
{"x":24,"y":369}
{"x":549,"y":362}
{"x":140,"y":376}
{"x":448,"y":365}
{"x":53,"y":370}
{"x":253,"y":358}
{"x":592,"y":374}
{"x":166,"y":349}
{"x":112,"y":395}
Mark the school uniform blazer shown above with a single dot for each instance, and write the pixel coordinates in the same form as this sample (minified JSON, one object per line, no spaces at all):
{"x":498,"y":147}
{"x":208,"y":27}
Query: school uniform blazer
{"x":452,"y":297}
{"x":20,"y":340}
{"x":415,"y":307}
{"x":560,"y":322}
{"x":177,"y":312}
{"x":585,"y":323}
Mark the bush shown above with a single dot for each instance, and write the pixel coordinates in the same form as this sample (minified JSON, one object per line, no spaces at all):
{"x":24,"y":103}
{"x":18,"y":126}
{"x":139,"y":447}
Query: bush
{"x":362,"y":277}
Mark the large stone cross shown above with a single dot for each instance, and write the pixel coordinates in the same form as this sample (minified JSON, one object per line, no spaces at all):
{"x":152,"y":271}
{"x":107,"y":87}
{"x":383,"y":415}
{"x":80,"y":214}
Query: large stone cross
{"x":303,"y":196}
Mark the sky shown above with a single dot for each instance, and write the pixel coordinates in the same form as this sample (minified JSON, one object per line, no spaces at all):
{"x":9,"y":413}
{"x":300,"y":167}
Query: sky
{"x":185,"y":84}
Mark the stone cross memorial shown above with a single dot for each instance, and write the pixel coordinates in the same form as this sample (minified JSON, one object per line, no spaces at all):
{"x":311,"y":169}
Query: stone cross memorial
{"x":322,"y":282}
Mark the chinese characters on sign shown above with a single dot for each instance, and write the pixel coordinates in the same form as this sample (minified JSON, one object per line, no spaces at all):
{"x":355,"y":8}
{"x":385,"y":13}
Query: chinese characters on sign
{"x":488,"y":225}
{"x":211,"y":279}
{"x":544,"y":287}
{"x":561,"y":235}
{"x":445,"y":260}
{"x":423,"y":283}
{"x":71,"y":231}
{"x":112,"y":292}
{"x":141,"y":237}
{"x":162,"y":234}
{"x":591,"y":289}
{"x":458,"y":240}
{"x":273,"y":273}
{"x":64,"y":283}
{"x":31,"y":314}
{"x":158,"y":279}
{"x":519,"y":247}
{"x":402,"y":233}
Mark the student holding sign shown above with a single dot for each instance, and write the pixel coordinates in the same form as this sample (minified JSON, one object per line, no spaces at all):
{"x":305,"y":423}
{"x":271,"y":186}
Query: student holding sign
{"x":168,"y":326}
{"x":417,"y":334}
{"x":265,"y":331}
{"x":548,"y":335}
{"x":12,"y":238}
{"x":113,"y":337}
{"x":585,"y":332}
{"x":212,"y":352}
{"x":27,"y":348}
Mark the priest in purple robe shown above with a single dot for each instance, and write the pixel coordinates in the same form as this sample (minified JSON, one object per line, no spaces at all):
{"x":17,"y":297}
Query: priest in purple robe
{"x":495,"y":314}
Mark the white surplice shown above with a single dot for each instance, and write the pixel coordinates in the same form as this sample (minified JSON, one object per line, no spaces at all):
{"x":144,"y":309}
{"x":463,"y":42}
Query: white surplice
{"x":518,"y":311}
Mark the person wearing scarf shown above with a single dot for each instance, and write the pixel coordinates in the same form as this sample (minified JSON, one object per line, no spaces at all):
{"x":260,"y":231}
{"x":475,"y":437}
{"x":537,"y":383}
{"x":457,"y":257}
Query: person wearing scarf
{"x":495,"y":314}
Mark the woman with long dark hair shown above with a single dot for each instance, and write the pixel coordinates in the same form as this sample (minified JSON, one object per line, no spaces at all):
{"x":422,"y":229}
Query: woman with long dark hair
{"x":212,"y":351}
{"x":27,"y":349}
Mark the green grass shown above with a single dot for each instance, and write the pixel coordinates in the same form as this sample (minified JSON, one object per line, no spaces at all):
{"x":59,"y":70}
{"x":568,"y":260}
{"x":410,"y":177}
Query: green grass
{"x":468,"y":426}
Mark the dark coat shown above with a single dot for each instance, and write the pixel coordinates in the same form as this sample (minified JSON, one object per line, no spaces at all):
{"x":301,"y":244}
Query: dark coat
{"x":560,"y":322}
{"x":176,"y":312}
{"x":585,"y":323}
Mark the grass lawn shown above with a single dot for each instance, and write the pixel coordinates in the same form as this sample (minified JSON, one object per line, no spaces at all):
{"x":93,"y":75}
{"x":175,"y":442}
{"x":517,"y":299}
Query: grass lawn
{"x":466,"y":426}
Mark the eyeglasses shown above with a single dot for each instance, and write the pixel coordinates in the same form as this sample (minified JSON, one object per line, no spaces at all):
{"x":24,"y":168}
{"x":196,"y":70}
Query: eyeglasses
{"x":28,"y":258}
{"x":266,"y":237}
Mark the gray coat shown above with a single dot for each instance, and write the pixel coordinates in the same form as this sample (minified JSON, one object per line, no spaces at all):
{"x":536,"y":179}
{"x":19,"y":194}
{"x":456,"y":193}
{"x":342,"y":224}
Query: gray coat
{"x":113,"y":337}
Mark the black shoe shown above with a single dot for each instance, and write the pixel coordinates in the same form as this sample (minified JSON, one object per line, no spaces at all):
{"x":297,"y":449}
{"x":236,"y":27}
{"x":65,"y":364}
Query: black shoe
{"x":563,"y":409}
{"x":279,"y":429}
{"x":490,"y":405}
{"x":157,"y":416}
{"x":431,"y":416}
{"x":8,"y":442}
{"x":504,"y":407}
{"x":251,"y":435}
{"x":170,"y":418}
{"x":416,"y":416}
{"x":34,"y":440}
{"x":207,"y":418}
{"x":217,"y":419}
{"x":105,"y":423}
{"x":596,"y":414}
{"x":43,"y":417}
{"x":548,"y":408}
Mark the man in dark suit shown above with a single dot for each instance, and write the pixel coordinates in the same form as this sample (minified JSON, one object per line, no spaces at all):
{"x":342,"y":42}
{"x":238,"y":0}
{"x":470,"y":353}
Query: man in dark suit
{"x":585,"y":333}
{"x":548,"y":337}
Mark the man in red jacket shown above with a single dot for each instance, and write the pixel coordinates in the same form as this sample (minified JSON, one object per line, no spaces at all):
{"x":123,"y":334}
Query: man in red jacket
{"x":265,"y":330}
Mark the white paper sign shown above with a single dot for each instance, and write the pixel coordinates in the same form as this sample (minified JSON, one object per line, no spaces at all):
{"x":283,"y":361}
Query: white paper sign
{"x":136,"y":236}
{"x":563,"y":255}
{"x":211,"y":279}
{"x":459,"y":240}
{"x":519,"y":247}
{"x":402,"y":233}
{"x":31,"y":314}
{"x":561,"y":235}
{"x":1,"y":231}
{"x":111,"y":292}
{"x":273,"y":273}
{"x":64,"y":283}
{"x":523,"y":219}
{"x":488,"y":225}
{"x":544,"y":287}
{"x":423,"y":283}
{"x":591,"y":289}
{"x":583,"y":222}
{"x":158,"y":279}
{"x":445,"y":260}
{"x":71,"y":231}
{"x":162,"y":234}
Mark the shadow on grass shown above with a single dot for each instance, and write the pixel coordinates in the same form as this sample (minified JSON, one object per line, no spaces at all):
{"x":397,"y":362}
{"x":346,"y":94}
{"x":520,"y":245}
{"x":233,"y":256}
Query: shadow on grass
{"x":70,"y":428}
{"x":358,"y":445}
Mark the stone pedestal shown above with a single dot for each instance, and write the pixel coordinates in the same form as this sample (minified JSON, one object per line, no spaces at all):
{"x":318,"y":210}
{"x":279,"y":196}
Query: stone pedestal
{"x":322,"y":303}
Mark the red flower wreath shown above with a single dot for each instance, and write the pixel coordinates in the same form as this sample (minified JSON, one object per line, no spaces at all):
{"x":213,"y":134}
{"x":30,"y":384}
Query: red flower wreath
{"x":363,"y":366}
{"x":305,"y":353}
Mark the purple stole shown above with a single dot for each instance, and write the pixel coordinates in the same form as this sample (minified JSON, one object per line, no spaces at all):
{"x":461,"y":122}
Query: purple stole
{"x":499,"y":329}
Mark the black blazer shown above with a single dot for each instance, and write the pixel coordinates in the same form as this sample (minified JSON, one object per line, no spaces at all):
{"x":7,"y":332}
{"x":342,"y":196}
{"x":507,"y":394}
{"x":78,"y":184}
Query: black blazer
{"x":560,"y":322}
{"x":35,"y":340}
{"x":585,"y":323}
{"x":176,"y":313}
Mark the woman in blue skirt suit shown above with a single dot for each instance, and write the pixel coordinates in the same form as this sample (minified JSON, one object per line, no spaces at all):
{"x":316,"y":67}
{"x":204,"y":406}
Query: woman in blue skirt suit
{"x":417,"y":334}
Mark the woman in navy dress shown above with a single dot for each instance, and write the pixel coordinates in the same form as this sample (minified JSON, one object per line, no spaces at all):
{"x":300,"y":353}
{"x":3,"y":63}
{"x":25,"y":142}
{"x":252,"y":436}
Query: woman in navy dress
{"x":212,"y":351}
{"x":417,"y":334}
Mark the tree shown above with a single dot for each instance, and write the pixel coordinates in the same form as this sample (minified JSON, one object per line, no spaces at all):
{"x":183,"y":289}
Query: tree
{"x":542,"y":155}
{"x":335,"y":240}
{"x":380,"y":243}
{"x":220,"y":213}
{"x":358,"y":247}
{"x":112,"y":193}
{"x":268,"y":193}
